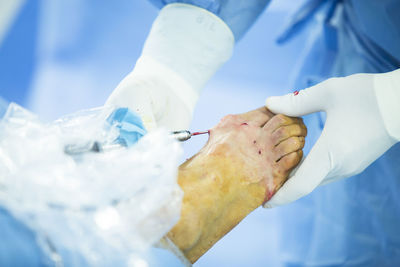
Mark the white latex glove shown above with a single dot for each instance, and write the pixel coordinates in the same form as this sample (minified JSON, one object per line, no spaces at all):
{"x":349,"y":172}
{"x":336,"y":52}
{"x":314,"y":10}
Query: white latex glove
{"x":185,"y":47}
{"x":362,"y":123}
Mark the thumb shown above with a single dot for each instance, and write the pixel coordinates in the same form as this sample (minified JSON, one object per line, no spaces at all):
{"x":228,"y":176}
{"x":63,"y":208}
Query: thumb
{"x":307,"y":177}
{"x":299,"y":103}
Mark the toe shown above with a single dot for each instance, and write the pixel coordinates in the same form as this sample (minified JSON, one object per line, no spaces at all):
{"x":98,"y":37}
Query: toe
{"x":258,"y":117}
{"x":288,"y":146}
{"x":285,"y":132}
{"x":289,"y":161}
{"x":281,"y":120}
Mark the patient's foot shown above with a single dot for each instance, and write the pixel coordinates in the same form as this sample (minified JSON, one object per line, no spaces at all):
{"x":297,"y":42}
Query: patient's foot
{"x":265,"y":148}
{"x":245,"y":161}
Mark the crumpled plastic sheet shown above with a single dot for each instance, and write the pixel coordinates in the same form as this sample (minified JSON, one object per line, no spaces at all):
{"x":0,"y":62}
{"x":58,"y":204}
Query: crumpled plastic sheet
{"x":105,"y":209}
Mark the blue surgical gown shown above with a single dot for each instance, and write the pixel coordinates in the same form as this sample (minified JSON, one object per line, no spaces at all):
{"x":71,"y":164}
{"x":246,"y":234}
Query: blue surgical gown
{"x":353,"y":222}
{"x":239,"y":15}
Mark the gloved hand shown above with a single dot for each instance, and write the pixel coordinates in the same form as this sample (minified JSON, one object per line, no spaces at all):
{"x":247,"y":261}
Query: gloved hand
{"x":362,"y":123}
{"x":185,"y":47}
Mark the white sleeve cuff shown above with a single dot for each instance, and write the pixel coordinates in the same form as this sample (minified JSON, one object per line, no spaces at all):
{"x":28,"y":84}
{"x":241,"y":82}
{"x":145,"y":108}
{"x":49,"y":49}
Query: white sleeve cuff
{"x":387,"y":90}
{"x":187,"y":45}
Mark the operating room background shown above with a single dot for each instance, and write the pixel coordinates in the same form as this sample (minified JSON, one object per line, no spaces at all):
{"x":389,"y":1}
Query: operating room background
{"x":60,"y":58}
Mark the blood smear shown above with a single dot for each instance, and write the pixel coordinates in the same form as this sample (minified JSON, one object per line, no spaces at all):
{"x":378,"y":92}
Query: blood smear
{"x":296,"y":92}
{"x":198,"y":133}
{"x":269,"y":196}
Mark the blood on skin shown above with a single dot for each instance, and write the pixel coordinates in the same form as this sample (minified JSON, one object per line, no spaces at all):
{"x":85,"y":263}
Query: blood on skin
{"x":244,"y":123}
{"x":269,"y":196}
{"x":198,"y":133}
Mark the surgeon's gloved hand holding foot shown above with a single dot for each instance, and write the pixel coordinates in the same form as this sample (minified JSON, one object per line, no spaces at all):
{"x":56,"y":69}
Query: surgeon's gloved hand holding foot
{"x":185,"y":47}
{"x":362,"y":123}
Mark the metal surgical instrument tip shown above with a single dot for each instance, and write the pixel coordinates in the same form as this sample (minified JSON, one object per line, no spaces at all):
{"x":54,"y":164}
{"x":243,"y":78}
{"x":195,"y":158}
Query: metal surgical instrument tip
{"x":185,"y":135}
{"x":97,"y":147}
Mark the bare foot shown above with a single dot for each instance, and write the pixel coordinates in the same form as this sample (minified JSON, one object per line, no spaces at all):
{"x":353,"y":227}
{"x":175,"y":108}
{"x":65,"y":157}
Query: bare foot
{"x":267,"y":147}
{"x":246,"y":160}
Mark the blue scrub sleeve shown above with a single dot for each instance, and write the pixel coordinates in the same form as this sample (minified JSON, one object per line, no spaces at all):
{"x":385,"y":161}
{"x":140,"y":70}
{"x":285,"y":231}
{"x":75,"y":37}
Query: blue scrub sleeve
{"x":239,"y":15}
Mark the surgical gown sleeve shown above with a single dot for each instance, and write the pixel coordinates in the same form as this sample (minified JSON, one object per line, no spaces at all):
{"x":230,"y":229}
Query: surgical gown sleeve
{"x":239,"y":15}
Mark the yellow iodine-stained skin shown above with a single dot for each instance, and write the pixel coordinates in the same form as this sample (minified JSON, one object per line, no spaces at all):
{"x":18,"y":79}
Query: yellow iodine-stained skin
{"x":238,"y":169}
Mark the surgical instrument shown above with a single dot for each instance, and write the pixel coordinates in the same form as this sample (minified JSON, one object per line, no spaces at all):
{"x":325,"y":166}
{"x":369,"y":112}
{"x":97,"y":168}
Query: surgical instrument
{"x":97,"y":147}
